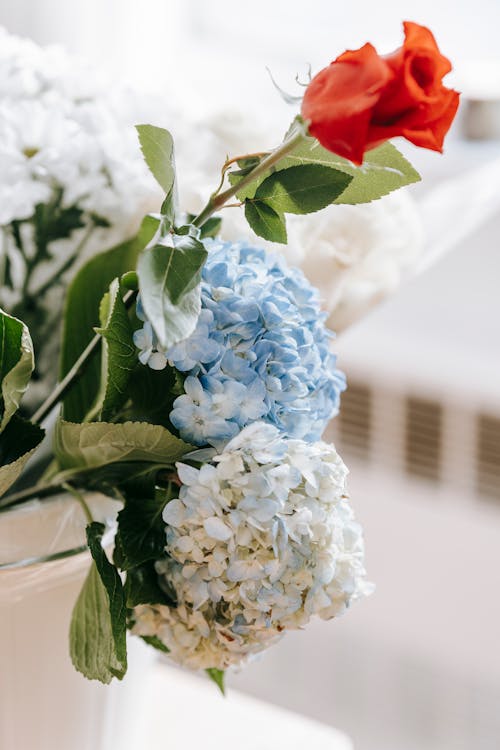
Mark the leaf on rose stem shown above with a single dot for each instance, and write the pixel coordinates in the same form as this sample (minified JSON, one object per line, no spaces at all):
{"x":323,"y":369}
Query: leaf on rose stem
{"x":119,"y":354}
{"x":141,"y":530}
{"x":16,"y":364}
{"x":303,"y":189}
{"x":210,"y":228}
{"x":384,"y":170}
{"x":96,"y":444}
{"x":157,"y":146}
{"x":18,"y":443}
{"x":98,"y":646}
{"x":81,"y":314}
{"x":265,"y":221}
{"x":142,"y":587}
{"x":169,"y":283}
{"x":217,"y":675}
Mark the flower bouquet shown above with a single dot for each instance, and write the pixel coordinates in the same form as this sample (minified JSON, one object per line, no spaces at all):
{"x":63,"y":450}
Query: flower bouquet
{"x":197,"y":378}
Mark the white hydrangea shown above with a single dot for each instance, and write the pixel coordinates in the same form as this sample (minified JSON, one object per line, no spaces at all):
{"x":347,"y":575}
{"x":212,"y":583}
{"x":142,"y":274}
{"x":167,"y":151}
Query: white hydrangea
{"x":68,"y":147}
{"x":259,"y":540}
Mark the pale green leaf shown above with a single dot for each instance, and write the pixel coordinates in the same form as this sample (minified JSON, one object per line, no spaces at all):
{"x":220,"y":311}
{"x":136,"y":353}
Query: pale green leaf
{"x":16,"y":364}
{"x":160,"y":271}
{"x":384,"y":169}
{"x":96,"y":444}
{"x":217,"y":675}
{"x":158,"y":148}
{"x":98,"y":646}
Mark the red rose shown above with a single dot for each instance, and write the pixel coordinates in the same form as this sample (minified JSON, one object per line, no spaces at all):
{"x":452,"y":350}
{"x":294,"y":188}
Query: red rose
{"x":362,"y":99}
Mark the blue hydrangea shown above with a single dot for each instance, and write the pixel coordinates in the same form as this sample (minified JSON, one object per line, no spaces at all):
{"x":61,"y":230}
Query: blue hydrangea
{"x":260,"y":351}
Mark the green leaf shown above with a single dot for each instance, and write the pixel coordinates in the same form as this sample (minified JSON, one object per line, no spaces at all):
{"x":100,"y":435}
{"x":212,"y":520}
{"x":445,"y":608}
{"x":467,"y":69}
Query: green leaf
{"x":210,"y":228}
{"x":157,"y":147}
{"x":18,"y":443}
{"x":16,"y":364}
{"x":265,"y":221}
{"x":384,"y":169}
{"x":302,"y":190}
{"x":95,"y":444}
{"x":142,"y":530}
{"x":142,"y":587}
{"x":152,"y":393}
{"x":153,"y":640}
{"x":217,"y":675}
{"x":169,"y":285}
{"x":98,"y":628}
{"x":119,"y":355}
{"x":81,"y":314}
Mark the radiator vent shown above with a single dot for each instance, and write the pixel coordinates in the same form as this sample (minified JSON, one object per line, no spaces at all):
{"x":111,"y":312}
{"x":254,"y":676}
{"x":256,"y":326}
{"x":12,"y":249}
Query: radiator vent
{"x":423,"y":438}
{"x":488,"y":457}
{"x":354,"y":420}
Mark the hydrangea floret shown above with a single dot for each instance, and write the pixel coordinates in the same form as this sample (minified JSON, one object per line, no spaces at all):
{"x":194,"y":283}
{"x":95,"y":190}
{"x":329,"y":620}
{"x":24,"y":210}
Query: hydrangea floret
{"x":260,"y":350}
{"x":259,"y":541}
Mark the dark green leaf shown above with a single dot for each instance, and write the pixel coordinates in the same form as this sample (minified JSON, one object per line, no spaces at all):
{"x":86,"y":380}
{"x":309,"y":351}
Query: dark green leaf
{"x":98,"y":628}
{"x":142,"y":530}
{"x":16,"y":365}
{"x":81,"y":314}
{"x":152,"y":393}
{"x":302,"y":190}
{"x":217,"y":675}
{"x":158,"y":148}
{"x":265,"y":221}
{"x":18,"y":442}
{"x":142,"y":587}
{"x":119,"y":355}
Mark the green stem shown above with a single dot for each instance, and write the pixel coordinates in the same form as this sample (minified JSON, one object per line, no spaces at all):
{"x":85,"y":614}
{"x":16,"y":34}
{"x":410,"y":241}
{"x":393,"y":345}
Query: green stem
{"x":78,"y":496}
{"x":73,"y":375}
{"x":217,"y":200}
{"x":39,"y":491}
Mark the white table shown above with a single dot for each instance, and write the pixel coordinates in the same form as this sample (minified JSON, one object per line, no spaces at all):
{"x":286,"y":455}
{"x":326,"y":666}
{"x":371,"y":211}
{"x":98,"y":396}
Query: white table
{"x":187,"y":712}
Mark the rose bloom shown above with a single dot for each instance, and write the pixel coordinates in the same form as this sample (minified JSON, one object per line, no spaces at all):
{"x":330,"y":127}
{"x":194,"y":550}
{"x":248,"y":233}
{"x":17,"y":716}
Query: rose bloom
{"x":362,"y":98}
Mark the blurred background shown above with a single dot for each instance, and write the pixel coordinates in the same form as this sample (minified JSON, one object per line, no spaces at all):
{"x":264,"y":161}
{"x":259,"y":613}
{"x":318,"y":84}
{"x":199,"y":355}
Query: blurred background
{"x":418,"y":664}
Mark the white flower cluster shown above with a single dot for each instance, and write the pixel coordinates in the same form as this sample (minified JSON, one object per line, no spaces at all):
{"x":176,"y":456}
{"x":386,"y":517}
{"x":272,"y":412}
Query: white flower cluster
{"x":259,"y":541}
{"x":64,"y":124}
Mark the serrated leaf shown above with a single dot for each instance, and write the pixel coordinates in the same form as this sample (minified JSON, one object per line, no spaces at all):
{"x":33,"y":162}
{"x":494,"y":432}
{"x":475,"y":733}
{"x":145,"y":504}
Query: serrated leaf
{"x":119,"y":355}
{"x":18,"y":443}
{"x":170,"y":289}
{"x":384,"y":169}
{"x":265,"y":221}
{"x":217,"y":675}
{"x":157,"y":146}
{"x":96,"y":444}
{"x":98,"y":628}
{"x":142,"y":587}
{"x":16,"y":364}
{"x":142,"y":530}
{"x":81,"y":314}
{"x":302,"y":189}
{"x":152,"y":393}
